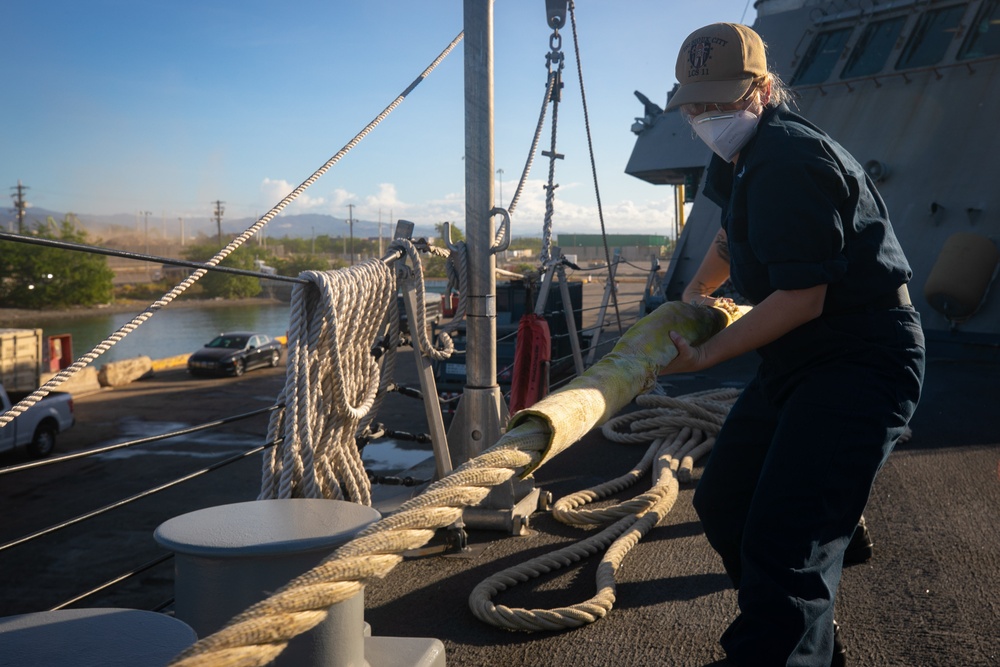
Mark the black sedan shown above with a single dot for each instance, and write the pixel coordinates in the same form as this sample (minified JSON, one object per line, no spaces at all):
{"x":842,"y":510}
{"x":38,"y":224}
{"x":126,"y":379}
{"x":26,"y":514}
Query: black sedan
{"x":234,"y":353}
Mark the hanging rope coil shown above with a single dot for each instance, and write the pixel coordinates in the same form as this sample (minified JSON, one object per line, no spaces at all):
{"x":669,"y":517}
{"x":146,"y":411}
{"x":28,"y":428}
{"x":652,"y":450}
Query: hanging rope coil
{"x":418,"y":330}
{"x":331,"y":384}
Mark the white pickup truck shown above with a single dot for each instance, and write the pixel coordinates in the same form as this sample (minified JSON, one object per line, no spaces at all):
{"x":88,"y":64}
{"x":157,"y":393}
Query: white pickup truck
{"x":36,"y":428}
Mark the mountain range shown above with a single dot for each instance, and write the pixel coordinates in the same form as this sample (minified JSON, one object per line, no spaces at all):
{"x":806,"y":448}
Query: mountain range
{"x":301,"y":226}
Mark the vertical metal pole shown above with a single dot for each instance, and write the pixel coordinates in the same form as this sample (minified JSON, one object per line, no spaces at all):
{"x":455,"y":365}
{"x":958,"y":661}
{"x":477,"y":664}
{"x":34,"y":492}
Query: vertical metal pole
{"x":602,"y":313}
{"x":481,"y":413}
{"x":567,"y":303}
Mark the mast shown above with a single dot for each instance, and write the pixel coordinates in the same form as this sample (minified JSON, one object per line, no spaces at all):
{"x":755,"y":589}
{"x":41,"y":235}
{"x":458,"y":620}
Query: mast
{"x":481,"y":413}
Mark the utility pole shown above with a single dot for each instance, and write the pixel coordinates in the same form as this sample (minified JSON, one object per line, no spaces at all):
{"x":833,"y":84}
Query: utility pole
{"x":350,"y":222}
{"x":146,"y":215}
{"x":219,"y":210}
{"x":500,"y":174}
{"x":380,"y":232}
{"x":20,"y":205}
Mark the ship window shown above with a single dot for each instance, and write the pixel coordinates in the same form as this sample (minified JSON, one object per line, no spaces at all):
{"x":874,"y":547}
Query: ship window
{"x":984,"y":38}
{"x":873,"y":49}
{"x":931,"y":38}
{"x":822,"y":56}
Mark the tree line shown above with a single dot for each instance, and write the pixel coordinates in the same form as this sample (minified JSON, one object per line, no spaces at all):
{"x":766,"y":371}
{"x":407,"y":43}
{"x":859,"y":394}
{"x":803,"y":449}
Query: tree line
{"x":39,"y":277}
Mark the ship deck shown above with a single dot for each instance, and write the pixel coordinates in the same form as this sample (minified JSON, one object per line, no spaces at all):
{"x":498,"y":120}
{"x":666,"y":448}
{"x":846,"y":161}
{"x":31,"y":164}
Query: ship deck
{"x":929,"y":596}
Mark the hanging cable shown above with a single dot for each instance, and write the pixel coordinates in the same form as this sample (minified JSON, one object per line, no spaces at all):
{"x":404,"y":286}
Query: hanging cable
{"x":593,"y":163}
{"x":555,"y":61}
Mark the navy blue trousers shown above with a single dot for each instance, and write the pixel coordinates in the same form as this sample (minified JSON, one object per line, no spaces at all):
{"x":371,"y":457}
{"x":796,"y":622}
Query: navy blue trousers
{"x":792,"y":470}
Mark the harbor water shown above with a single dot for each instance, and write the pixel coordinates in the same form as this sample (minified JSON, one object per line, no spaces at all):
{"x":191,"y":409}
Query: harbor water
{"x":179,"y":328}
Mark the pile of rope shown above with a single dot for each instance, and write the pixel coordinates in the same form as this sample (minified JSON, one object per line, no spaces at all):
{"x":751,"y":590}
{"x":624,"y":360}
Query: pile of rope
{"x":680,"y":430}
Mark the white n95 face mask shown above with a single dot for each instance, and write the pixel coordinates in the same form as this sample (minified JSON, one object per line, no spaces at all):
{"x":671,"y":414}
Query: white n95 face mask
{"x":725,"y":132}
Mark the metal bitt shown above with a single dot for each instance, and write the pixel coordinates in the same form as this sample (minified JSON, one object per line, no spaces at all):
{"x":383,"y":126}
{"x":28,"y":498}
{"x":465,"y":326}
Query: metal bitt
{"x":232,"y":556}
{"x":92,"y":638}
{"x":482,"y":412}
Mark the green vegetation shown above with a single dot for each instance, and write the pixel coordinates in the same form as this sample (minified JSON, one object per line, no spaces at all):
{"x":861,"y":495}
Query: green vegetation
{"x":37,"y":277}
{"x":216,"y":284}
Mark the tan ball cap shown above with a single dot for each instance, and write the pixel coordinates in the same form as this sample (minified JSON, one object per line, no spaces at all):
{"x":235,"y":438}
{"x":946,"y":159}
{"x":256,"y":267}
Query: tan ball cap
{"x":718,"y":64}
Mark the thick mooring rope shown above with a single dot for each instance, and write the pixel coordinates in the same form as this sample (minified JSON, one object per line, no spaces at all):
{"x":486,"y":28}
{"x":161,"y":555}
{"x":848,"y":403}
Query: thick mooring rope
{"x":259,"y":634}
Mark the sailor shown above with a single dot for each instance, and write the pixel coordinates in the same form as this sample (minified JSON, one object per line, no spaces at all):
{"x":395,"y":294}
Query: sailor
{"x":806,"y":238}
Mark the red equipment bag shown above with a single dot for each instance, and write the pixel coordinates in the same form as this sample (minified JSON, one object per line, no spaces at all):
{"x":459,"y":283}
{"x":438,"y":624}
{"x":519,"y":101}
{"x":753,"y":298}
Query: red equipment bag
{"x":532,"y":355}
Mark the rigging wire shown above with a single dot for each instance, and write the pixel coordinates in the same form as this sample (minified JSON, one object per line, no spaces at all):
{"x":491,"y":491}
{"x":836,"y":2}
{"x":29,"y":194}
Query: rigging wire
{"x":593,"y":164}
{"x":133,"y":498}
{"x":128,"y":254}
{"x":138,"y":441}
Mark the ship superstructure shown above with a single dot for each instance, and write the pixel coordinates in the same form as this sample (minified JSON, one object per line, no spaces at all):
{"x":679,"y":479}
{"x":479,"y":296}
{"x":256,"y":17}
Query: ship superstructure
{"x":912,"y":89}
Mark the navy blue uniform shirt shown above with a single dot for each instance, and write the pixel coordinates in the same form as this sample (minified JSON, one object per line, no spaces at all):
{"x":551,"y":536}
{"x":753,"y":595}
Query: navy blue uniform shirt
{"x":799,"y":211}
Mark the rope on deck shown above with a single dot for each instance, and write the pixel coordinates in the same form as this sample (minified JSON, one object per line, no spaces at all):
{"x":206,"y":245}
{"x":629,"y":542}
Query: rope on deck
{"x":674,"y":425}
{"x":260,"y":633}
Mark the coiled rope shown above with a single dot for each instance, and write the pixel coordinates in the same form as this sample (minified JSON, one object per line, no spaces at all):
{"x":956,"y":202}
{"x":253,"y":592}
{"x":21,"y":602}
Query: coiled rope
{"x":681,"y":430}
{"x":334,"y":381}
{"x":330,"y":385}
{"x":181,"y":287}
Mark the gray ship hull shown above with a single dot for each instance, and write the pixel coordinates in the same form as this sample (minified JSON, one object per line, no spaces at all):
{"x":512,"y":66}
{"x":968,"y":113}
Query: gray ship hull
{"x":922,"y":124}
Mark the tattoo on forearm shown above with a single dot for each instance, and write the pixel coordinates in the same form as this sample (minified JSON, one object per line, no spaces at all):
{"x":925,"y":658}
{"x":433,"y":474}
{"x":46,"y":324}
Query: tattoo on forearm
{"x":722,"y":245}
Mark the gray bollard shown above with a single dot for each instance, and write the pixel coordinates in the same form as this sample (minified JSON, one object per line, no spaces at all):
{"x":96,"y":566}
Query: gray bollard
{"x":232,"y":556}
{"x":92,"y":638}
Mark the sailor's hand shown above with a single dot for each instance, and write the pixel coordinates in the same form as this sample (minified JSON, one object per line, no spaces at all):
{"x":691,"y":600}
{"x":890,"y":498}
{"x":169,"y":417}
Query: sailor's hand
{"x":689,"y":358}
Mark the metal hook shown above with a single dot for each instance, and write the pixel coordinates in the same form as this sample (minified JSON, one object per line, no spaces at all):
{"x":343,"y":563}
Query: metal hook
{"x":505,"y":226}
{"x":446,"y":229}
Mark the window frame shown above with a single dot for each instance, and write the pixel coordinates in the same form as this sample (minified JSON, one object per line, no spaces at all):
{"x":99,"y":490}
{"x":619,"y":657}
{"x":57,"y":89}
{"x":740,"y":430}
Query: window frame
{"x":865,"y":41}
{"x":989,"y":12}
{"x":912,"y":49}
{"x":809,"y":59}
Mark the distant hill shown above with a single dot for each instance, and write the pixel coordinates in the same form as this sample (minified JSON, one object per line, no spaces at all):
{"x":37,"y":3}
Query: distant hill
{"x":302,"y":226}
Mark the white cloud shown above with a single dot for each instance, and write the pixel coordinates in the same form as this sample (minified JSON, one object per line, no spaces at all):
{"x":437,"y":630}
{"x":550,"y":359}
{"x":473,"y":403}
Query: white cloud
{"x":574,"y":208}
{"x":275,"y":190}
{"x":386,"y":198}
{"x":341,"y":198}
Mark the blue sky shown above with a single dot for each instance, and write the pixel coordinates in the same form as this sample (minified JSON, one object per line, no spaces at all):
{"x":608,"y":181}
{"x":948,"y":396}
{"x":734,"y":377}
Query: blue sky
{"x":117,"y":106}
